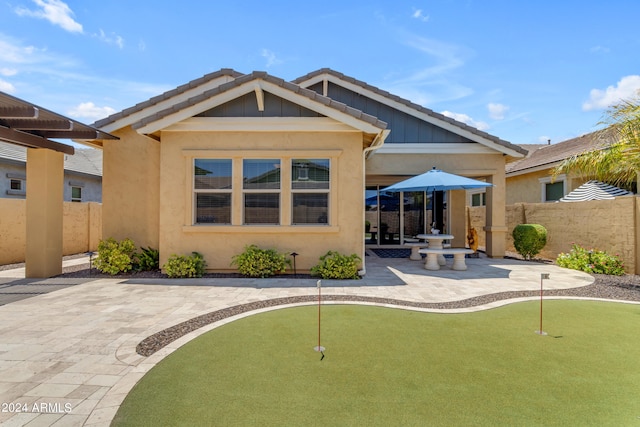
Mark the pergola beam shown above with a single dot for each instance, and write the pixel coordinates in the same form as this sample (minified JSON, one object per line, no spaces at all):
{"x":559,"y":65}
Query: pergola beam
{"x":37,"y":125}
{"x":25,"y":112}
{"x":32,"y":141}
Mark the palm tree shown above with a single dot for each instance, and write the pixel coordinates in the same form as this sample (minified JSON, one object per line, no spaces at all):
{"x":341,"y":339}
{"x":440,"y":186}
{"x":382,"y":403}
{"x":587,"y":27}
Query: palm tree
{"x":618,"y":161}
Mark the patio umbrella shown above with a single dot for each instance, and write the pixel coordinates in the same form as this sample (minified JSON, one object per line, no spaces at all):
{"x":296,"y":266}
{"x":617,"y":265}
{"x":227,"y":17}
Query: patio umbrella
{"x":436,"y":180}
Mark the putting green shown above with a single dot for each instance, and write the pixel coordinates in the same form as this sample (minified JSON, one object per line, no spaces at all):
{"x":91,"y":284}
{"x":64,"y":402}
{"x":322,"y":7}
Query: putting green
{"x":394,"y":367}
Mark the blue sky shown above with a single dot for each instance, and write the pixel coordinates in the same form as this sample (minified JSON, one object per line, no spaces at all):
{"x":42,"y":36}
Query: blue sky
{"x":525,"y":71}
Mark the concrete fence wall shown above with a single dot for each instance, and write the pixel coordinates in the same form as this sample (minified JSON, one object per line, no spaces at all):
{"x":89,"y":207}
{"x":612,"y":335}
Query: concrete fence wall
{"x":82,"y":228}
{"x":609,"y":225}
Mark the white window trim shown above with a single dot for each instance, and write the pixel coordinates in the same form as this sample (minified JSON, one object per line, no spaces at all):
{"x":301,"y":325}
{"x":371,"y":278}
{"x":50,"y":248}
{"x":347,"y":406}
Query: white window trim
{"x":472,"y":192}
{"x":548,"y":180}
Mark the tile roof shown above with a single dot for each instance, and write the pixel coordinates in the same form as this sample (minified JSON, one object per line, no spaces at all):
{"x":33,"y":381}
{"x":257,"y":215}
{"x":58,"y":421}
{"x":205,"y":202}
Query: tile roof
{"x":550,"y":155}
{"x":167,"y":95}
{"x":85,"y":160}
{"x":409,"y":104}
{"x":261,"y":75}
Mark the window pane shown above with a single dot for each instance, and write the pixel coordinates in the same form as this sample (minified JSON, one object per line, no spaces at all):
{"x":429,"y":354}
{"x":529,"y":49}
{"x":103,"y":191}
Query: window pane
{"x":310,"y":208}
{"x":261,"y":174}
{"x":213,"y":208}
{"x":212,"y":174}
{"x":310,"y":174}
{"x":76,"y":193}
{"x":262,"y":208}
{"x":16,"y":184}
{"x":554,"y":191}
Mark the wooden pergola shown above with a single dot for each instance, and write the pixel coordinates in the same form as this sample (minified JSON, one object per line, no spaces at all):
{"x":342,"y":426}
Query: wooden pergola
{"x":23,"y":123}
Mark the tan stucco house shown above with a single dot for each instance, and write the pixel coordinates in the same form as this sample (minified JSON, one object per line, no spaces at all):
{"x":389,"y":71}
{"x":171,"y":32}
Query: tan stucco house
{"x":234,"y":159}
{"x":530,"y":180}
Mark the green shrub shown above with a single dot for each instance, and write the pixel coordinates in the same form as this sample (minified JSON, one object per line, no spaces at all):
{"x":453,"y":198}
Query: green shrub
{"x":334,"y":265}
{"x":592,"y":261}
{"x":529,"y":239}
{"x":148,"y":259}
{"x":185,"y":266}
{"x":256,"y":262}
{"x":115,"y":257}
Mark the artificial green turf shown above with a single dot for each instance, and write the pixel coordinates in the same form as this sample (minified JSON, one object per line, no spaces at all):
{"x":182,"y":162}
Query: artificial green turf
{"x":394,"y":367}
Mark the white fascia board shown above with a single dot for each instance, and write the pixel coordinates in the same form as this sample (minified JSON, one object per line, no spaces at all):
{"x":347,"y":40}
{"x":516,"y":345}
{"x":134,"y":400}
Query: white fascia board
{"x":166,"y":103}
{"x":412,"y":112}
{"x":435,"y":148}
{"x":259,"y":124}
{"x":243,"y":89}
{"x":533,"y":169}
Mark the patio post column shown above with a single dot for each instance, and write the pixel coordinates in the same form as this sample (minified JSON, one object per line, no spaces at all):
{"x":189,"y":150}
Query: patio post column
{"x":45,"y":177}
{"x":457,"y":214}
{"x":495,"y":225}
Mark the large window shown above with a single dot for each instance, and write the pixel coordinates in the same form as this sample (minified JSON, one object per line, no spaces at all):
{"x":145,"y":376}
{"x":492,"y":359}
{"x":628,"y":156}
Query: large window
{"x":212,"y":183}
{"x":261,"y":191}
{"x":310,"y":191}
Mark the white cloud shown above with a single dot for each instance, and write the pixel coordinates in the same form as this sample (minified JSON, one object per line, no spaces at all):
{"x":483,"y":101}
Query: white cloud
{"x":270,"y":57}
{"x":8,"y":72}
{"x":466,"y":119}
{"x":110,"y":39}
{"x":600,"y":49}
{"x":89,"y":110}
{"x":418,"y":14}
{"x":7,"y":87}
{"x":54,"y":11}
{"x":627,"y":87}
{"x":497,"y":111}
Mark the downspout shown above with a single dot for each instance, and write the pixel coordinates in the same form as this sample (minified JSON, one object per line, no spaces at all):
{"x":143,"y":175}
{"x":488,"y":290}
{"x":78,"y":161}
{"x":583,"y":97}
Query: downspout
{"x":378,"y":141}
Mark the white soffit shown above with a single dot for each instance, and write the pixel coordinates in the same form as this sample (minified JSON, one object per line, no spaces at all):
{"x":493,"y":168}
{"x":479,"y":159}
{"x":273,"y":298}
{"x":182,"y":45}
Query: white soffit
{"x":435,"y":148}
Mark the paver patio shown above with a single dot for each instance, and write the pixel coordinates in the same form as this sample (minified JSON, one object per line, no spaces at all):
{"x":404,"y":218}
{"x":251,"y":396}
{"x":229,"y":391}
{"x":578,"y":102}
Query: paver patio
{"x":69,"y":357}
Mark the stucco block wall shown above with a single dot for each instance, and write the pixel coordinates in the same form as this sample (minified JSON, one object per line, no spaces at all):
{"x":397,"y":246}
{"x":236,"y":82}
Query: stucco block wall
{"x":219,"y":243}
{"x":609,"y":225}
{"x":81,"y":232}
{"x":13,"y":230}
{"x":131,"y":186}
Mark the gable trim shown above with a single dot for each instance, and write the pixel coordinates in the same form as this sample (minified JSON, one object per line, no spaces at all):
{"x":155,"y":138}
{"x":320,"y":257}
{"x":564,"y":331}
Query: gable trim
{"x":206,"y":101}
{"x":412,"y":109}
{"x":259,"y":124}
{"x":435,"y":148}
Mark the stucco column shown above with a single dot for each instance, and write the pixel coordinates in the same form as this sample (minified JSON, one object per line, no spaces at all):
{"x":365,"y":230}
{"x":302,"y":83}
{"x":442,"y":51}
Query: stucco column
{"x":457,"y":213}
{"x":495,"y":227}
{"x":45,"y":176}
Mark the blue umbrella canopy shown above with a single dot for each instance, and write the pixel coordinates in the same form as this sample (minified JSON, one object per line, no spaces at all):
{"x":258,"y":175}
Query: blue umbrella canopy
{"x":436,"y":180}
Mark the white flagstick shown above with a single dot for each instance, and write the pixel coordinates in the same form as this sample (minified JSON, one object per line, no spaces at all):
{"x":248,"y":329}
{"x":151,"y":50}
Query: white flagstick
{"x":319,"y":348}
{"x":542,"y":277}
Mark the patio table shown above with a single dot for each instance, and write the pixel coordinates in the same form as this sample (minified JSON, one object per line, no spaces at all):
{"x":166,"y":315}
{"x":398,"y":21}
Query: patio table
{"x":435,"y":242}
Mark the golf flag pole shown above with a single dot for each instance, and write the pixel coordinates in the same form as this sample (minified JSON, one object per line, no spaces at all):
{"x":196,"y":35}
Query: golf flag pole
{"x":319,"y":348}
{"x":542,"y":277}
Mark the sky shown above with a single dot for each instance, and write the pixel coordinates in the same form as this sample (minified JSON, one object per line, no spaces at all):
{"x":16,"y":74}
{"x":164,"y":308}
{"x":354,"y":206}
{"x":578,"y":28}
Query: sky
{"x":525,"y":71}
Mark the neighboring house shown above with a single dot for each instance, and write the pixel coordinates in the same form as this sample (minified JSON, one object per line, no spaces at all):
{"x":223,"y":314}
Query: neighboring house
{"x":530,"y":180}
{"x":82,"y":174}
{"x":229,"y":160}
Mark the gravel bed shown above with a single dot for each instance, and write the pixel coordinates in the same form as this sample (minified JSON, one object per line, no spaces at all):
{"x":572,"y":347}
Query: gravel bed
{"x":619,"y":288}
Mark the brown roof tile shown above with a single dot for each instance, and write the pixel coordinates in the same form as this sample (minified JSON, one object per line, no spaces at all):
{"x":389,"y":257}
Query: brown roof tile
{"x":549,"y":155}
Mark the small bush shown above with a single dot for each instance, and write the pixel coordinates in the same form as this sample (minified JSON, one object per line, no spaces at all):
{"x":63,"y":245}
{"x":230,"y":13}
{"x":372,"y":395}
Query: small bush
{"x":334,"y":265}
{"x":115,"y":257}
{"x":593,"y":261}
{"x":529,"y":239}
{"x":148,"y":259}
{"x":256,"y":262}
{"x":185,"y":266}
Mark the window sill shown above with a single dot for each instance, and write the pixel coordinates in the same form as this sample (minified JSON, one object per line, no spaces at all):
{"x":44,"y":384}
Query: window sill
{"x":261,"y":229}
